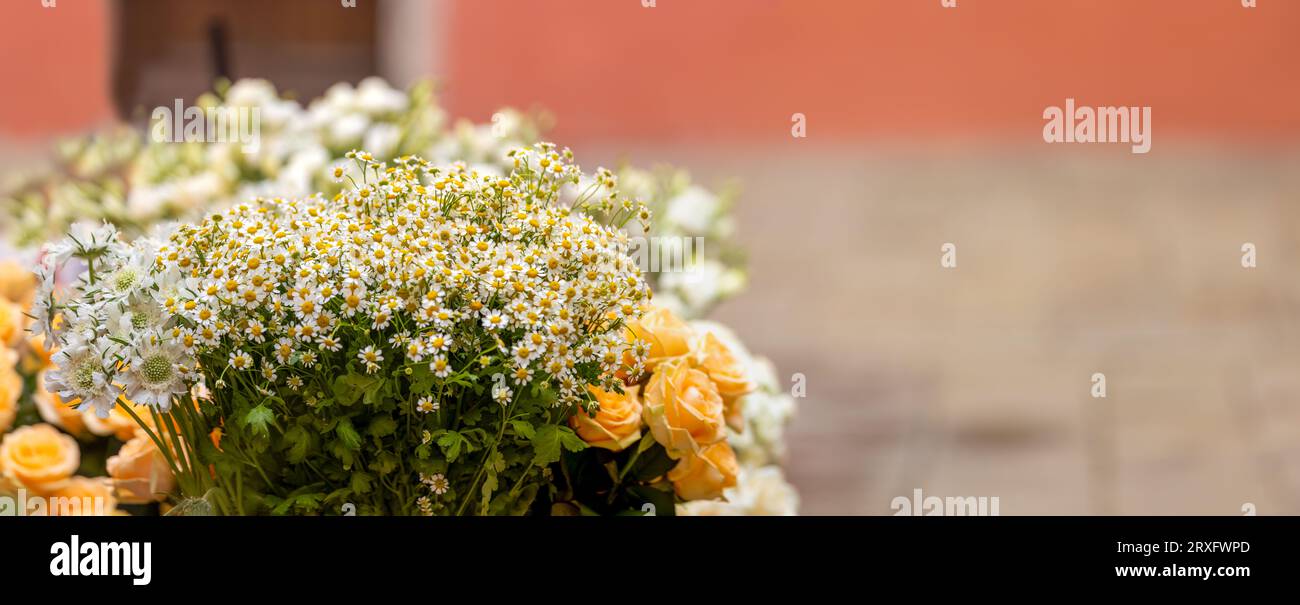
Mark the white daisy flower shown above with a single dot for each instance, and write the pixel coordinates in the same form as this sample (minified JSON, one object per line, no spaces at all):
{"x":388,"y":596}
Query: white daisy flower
{"x":371,"y":357}
{"x":240,"y":360}
{"x":426,"y":404}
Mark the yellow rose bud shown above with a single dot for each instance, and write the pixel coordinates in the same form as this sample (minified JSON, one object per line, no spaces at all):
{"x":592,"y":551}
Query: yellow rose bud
{"x":118,"y":424}
{"x":683,"y":409}
{"x":39,"y":458}
{"x":11,"y":386}
{"x":703,"y":476}
{"x":36,"y":357}
{"x":83,"y":497}
{"x":727,"y":374}
{"x":17,"y":283}
{"x":54,"y":411}
{"x":669,"y":336}
{"x":617,"y":424}
{"x":13,"y":324}
{"x":139,"y":471}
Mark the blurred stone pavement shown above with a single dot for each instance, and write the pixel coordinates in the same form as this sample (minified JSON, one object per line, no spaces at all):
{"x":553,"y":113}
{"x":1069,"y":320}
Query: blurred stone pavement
{"x":975,"y":381}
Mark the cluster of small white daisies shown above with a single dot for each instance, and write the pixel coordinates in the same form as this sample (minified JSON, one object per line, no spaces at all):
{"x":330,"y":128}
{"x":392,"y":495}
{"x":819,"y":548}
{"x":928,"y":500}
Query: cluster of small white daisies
{"x":415,"y":264}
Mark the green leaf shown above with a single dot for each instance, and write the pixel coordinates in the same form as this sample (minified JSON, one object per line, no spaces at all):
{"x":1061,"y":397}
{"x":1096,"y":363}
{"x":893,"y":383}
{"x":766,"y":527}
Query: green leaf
{"x":451,"y":442}
{"x":664,"y":503}
{"x":327,"y":425}
{"x":374,"y":392}
{"x":429,"y":467}
{"x":350,"y":387}
{"x":422,"y":379}
{"x":546,"y":445}
{"x":549,"y":439}
{"x":341,"y":452}
{"x":652,"y":464}
{"x":515,"y":504}
{"x":490,"y":483}
{"x":348,"y":434}
{"x":298,"y":440}
{"x":306,"y":503}
{"x":339,"y":495}
{"x":384,"y":463}
{"x":259,"y":419}
{"x":647,"y":442}
{"x":546,"y":398}
{"x":523,"y":428}
{"x":571,"y":441}
{"x":361,"y":482}
{"x":473,"y":416}
{"x":382,"y":427}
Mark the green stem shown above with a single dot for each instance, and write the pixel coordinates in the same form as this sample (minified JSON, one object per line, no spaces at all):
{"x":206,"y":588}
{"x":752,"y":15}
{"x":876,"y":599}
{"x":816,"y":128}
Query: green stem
{"x":505,"y":413}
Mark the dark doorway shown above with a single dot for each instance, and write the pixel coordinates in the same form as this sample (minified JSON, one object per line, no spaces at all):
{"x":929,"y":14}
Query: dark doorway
{"x":164,"y":49}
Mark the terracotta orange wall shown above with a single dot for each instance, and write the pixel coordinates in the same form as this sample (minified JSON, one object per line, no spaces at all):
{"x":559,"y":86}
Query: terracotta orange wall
{"x":709,"y":69}
{"x":703,"y":70}
{"x":54,"y":69}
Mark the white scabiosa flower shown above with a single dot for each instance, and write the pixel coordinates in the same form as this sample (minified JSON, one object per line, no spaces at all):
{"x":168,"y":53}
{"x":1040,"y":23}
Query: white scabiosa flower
{"x":154,"y":374}
{"x":133,"y":315}
{"x":85,"y":240}
{"x":79,"y":373}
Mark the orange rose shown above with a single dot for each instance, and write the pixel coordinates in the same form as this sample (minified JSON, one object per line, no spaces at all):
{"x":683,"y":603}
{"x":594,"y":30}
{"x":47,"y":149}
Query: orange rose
{"x":17,"y":283}
{"x":683,"y":409}
{"x":12,"y":323}
{"x":140,"y":472}
{"x":703,"y":476}
{"x":83,"y":497}
{"x":727,"y":374}
{"x":668,"y":336}
{"x":119,"y":423}
{"x":39,"y":458}
{"x":617,"y":424}
{"x":11,"y":387}
{"x":54,"y":411}
{"x":35,"y":356}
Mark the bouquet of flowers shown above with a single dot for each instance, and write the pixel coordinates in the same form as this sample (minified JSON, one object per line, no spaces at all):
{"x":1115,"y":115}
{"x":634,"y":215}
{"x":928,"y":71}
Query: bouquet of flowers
{"x":425,"y":341}
{"x":136,"y":183}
